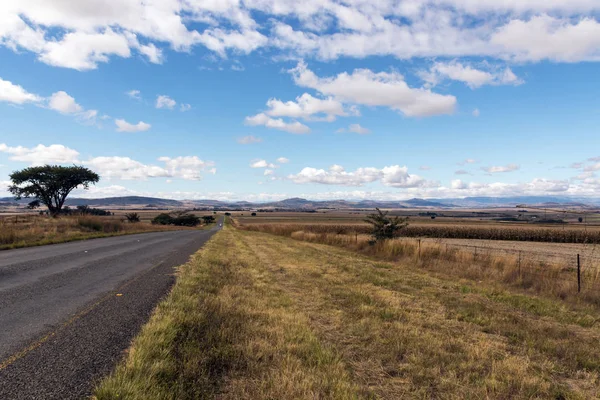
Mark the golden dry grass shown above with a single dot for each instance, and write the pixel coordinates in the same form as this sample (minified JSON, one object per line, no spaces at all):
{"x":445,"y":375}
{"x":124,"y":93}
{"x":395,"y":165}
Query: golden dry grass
{"x":539,"y":277}
{"x":257,"y":316}
{"x":33,"y":230}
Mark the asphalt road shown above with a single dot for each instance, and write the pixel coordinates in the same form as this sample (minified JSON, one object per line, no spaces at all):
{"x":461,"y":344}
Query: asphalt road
{"x":68,"y":311}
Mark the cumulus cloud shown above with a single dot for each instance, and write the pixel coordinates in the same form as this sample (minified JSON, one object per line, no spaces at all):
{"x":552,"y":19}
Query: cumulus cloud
{"x":249,"y":139}
{"x":469,"y":75}
{"x":385,"y":89}
{"x":69,"y":35}
{"x":262,"y":164}
{"x":283,"y":160}
{"x":125,"y":168}
{"x":163,"y":101}
{"x":41,"y":154}
{"x":12,"y":93}
{"x":394,"y":176}
{"x":124,"y":126}
{"x":307,"y":107}
{"x":63,"y":103}
{"x":185,"y":107}
{"x":291,"y":127}
{"x":501,"y":168}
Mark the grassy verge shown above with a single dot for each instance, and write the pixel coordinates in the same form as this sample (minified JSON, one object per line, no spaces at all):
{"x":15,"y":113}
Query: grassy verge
{"x":257,"y":316}
{"x":27,"y":231}
{"x":534,"y":276}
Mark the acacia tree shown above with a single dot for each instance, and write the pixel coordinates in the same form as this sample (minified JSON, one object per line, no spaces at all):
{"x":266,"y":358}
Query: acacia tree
{"x":385,"y":227}
{"x":50,"y":184}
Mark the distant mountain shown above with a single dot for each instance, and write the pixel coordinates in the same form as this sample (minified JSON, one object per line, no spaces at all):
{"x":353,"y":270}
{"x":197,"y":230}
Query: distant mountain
{"x":297,"y":203}
{"x":125,"y":201}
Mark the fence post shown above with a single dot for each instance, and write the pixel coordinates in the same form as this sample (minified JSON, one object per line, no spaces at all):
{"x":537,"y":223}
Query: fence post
{"x":578,"y":275}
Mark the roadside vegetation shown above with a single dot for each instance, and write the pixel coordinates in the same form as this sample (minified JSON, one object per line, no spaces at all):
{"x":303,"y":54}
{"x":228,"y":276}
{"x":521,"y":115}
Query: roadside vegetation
{"x":533,"y":276}
{"x":259,"y":316}
{"x":35,"y":230}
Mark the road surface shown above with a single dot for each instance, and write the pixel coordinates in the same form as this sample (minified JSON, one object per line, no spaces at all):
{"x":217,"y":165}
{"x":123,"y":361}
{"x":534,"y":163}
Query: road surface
{"x":68,"y":311}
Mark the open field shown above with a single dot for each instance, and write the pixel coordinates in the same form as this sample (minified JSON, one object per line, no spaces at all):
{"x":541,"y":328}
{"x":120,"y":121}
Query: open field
{"x":34,"y":230}
{"x":440,"y":227}
{"x":259,"y":316}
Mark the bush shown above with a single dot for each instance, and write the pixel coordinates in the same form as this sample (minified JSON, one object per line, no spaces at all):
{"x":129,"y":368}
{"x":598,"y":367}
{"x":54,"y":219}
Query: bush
{"x":385,"y":227}
{"x":253,"y":214}
{"x":163,"y":219}
{"x":132,"y":217}
{"x":186,"y":220}
{"x":179,"y":220}
{"x":208,"y":219}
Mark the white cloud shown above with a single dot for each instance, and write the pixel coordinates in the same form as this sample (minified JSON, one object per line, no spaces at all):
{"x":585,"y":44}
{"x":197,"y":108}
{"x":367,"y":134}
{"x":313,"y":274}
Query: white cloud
{"x":291,"y":127}
{"x":356,"y":128}
{"x":41,"y":154}
{"x":467,"y":161}
{"x":307,"y":107}
{"x":163,"y":101}
{"x":124,"y":126}
{"x":386,"y":89}
{"x":548,"y":38}
{"x":134,"y":94}
{"x":125,"y":168}
{"x":84,"y":50}
{"x":471,"y":76}
{"x":461,"y":172}
{"x":283,"y":160}
{"x":68,"y":34}
{"x":268,"y":172}
{"x":188,"y":168}
{"x":501,"y":168}
{"x":262,"y":164}
{"x":249,"y":139}
{"x":185,"y":107}
{"x":476,"y":112}
{"x":394,"y":176}
{"x":15,"y":94}
{"x":63,"y":103}
{"x":425,"y":168}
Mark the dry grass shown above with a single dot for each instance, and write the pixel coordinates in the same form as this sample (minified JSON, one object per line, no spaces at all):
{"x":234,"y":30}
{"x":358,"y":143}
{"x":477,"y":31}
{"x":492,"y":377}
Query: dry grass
{"x":257,"y":316}
{"x":33,"y":230}
{"x":534,"y":276}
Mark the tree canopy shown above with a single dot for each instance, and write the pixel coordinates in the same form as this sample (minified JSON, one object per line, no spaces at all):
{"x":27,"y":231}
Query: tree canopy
{"x":50,"y":184}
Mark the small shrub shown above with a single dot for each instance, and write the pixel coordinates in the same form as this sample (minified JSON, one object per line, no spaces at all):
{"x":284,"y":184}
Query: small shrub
{"x":132,"y":217}
{"x":385,"y":227}
{"x":253,"y":214}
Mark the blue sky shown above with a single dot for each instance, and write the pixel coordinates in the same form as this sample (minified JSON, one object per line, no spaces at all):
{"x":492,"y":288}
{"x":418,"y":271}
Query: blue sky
{"x":268,"y":99}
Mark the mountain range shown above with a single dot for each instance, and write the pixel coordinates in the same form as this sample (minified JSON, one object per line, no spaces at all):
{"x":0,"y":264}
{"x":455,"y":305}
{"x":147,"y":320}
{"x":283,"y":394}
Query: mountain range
{"x":304,"y":204}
